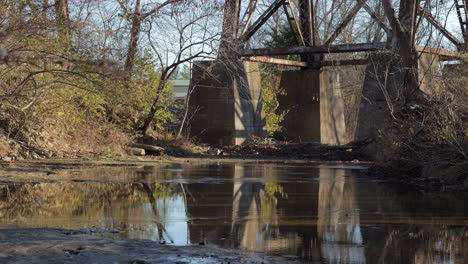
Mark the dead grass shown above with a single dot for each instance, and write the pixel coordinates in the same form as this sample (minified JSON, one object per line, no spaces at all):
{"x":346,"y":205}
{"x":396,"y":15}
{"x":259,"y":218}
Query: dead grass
{"x":91,"y":139}
{"x":4,"y":146}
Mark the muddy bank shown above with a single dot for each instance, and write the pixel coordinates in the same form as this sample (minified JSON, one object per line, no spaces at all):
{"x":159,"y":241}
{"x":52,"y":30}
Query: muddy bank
{"x":65,"y":246}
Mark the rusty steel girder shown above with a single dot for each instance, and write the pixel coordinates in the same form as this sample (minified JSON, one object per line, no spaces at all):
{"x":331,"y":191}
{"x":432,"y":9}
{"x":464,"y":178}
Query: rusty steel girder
{"x":305,"y":26}
{"x":304,"y":50}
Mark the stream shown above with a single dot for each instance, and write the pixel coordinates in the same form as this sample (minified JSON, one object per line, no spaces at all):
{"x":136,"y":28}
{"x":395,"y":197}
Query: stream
{"x":307,"y":212}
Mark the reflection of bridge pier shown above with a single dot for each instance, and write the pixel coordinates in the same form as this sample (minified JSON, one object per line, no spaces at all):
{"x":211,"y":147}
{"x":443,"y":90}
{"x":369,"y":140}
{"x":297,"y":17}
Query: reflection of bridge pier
{"x":335,"y":219}
{"x":316,"y":220}
{"x":338,"y":219}
{"x":301,"y":203}
{"x":246,"y":206}
{"x":249,"y":208}
{"x":209,"y":206}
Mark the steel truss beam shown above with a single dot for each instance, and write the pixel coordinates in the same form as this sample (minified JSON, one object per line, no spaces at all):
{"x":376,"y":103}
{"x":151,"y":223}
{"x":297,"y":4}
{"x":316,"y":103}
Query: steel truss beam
{"x":426,"y":14}
{"x":306,"y":29}
{"x":302,"y":64}
{"x":306,"y":50}
{"x":270,"y":60}
{"x":294,"y":23}
{"x":345,"y":21}
{"x":462,"y":7}
{"x":343,"y":48}
{"x":261,"y":20}
{"x":444,"y":54}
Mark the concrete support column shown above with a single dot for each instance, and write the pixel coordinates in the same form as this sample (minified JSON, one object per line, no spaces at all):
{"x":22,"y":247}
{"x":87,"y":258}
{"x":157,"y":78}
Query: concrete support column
{"x":249,"y":118}
{"x":331,"y":105}
{"x":314,"y":105}
{"x":332,"y":124}
{"x":430,"y":74}
{"x":301,"y":104}
{"x":226,"y":103}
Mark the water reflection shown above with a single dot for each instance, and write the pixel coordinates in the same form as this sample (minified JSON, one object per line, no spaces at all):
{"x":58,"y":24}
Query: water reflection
{"x":254,"y":221}
{"x":338,"y":218}
{"x":319,"y":214}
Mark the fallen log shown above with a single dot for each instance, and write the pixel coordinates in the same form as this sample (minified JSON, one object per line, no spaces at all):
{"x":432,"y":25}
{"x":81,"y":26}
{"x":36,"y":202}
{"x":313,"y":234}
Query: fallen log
{"x":150,"y":149}
{"x":137,"y":151}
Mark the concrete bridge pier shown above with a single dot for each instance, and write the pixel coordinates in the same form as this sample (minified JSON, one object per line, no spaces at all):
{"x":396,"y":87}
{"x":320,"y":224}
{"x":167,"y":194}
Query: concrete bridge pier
{"x":331,"y":105}
{"x":382,"y":85}
{"x":226,"y":102}
{"x":336,"y":105}
{"x":318,"y":103}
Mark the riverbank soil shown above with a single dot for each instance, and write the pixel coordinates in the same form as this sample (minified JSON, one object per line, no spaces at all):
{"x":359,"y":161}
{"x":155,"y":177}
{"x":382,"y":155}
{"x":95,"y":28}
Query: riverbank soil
{"x":80,"y":246}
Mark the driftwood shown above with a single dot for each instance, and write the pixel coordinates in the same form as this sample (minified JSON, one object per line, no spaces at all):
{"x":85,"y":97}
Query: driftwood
{"x":137,"y":151}
{"x":150,"y":149}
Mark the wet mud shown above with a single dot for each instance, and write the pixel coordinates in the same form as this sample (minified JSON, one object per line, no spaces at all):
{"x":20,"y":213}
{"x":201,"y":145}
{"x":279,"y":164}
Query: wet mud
{"x":78,"y":246}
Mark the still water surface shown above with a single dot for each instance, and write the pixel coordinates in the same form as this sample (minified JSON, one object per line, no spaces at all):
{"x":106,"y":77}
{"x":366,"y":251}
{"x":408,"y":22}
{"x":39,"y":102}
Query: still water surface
{"x":320,"y":214}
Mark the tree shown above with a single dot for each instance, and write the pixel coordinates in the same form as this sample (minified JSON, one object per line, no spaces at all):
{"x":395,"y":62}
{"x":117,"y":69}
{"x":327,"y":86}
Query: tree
{"x":63,"y":18}
{"x":403,"y":27}
{"x":193,"y":34}
{"x":45,"y":84}
{"x":230,"y":26}
{"x":137,"y":16}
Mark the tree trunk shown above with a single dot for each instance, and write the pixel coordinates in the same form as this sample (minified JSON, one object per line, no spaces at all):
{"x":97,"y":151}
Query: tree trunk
{"x":187,"y":110}
{"x":134,"y":37}
{"x":63,"y":19}
{"x":154,"y":107}
{"x":230,"y":27}
{"x":403,"y":28}
{"x":407,"y":48}
{"x":45,"y":6}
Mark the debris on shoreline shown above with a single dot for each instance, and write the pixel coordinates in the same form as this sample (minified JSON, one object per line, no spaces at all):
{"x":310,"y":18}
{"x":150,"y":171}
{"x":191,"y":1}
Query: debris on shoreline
{"x":309,"y":150}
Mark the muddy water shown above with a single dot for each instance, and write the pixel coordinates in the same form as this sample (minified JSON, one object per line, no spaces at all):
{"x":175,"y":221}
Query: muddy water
{"x":319,"y":214}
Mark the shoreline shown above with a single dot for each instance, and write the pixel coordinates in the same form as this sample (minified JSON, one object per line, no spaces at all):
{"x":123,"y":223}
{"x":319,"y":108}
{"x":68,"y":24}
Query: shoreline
{"x":420,"y":184}
{"x":50,"y":245}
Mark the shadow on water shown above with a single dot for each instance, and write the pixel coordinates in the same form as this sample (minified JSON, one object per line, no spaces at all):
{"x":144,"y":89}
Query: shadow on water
{"x":319,"y":214}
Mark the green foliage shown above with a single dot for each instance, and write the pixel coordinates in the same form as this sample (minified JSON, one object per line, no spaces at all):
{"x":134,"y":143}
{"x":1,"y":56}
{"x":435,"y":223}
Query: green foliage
{"x":269,"y":200}
{"x":130,"y":103}
{"x":271,"y":90}
{"x":284,"y":37}
{"x":281,"y":39}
